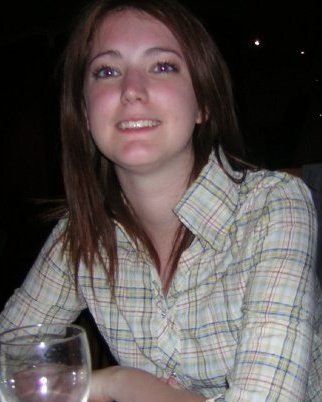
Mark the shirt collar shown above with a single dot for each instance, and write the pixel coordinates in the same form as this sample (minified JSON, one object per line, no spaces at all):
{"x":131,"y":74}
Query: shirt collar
{"x":208,"y":206}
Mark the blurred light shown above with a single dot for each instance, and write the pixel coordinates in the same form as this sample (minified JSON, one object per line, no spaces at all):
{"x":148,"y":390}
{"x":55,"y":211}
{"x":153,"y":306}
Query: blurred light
{"x":41,"y":346}
{"x":43,"y":385}
{"x":302,"y":52}
{"x":257,"y":42}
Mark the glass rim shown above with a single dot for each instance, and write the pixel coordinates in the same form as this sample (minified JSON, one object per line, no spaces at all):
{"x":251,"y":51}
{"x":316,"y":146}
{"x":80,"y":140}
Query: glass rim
{"x":18,"y":342}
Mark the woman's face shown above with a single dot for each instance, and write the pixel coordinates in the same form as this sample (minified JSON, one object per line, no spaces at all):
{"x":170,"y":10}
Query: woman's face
{"x":140,"y":104}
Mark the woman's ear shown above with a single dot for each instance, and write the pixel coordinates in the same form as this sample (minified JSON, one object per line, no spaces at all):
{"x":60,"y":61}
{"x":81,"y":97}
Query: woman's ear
{"x":200,"y":117}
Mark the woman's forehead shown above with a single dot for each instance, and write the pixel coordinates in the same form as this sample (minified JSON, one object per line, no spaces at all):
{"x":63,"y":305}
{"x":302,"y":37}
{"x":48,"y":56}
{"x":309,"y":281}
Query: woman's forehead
{"x":131,"y":27}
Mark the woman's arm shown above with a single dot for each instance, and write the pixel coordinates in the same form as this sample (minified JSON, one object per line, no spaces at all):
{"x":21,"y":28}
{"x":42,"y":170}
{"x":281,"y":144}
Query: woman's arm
{"x":273,"y":356}
{"x":123,"y":384}
{"x":48,"y":292}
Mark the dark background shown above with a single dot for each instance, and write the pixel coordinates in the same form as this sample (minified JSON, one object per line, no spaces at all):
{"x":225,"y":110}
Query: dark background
{"x":278,"y":90}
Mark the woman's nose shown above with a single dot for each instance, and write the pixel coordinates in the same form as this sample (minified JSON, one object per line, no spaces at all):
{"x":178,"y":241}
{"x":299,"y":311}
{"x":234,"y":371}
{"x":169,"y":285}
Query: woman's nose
{"x":134,"y":88}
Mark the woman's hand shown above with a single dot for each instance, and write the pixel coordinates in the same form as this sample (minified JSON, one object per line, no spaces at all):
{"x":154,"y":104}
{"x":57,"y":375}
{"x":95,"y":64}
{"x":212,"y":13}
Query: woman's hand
{"x":125,"y":384}
{"x":99,"y":385}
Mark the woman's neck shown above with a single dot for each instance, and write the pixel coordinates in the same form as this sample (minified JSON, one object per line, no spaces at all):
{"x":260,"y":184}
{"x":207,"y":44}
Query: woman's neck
{"x":153,"y":197}
{"x":153,"y":200}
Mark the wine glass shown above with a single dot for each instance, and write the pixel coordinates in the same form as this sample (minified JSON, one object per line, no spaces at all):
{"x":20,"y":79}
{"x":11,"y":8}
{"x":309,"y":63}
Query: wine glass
{"x":44,"y":363}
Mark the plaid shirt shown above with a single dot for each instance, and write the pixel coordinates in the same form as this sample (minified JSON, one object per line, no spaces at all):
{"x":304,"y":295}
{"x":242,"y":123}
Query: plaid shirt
{"x":239,"y":320}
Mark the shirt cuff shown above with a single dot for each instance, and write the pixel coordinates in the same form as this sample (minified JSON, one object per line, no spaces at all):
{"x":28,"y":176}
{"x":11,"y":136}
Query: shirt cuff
{"x":216,"y":398}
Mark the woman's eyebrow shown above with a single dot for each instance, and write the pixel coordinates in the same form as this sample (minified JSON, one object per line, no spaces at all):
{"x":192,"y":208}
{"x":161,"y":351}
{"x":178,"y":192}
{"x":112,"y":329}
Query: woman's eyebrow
{"x":109,"y":52}
{"x":157,"y":50}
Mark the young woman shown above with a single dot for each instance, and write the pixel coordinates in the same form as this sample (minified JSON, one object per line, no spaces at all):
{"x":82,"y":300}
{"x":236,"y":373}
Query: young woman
{"x":197,"y":269}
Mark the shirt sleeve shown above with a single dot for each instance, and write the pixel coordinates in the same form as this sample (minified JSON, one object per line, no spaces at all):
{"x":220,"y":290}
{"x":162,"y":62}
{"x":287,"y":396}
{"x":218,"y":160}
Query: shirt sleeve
{"x":48,"y":294}
{"x":274,"y":345}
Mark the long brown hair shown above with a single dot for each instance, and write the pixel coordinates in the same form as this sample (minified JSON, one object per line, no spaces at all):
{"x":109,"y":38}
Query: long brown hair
{"x":94,"y":197}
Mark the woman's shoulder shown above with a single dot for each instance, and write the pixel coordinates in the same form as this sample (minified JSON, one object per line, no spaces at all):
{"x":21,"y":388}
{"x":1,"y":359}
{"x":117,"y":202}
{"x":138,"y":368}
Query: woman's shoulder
{"x":268,"y":197}
{"x":54,"y":240}
{"x":267,"y":184}
{"x":256,"y":184}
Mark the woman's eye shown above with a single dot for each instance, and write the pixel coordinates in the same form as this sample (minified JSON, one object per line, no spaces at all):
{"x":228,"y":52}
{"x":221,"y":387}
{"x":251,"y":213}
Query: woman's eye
{"x":165,"y":67}
{"x":106,"y":72}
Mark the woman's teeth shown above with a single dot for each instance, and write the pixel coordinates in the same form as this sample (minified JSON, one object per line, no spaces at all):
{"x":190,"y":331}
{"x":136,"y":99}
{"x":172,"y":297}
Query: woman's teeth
{"x":125,"y":125}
